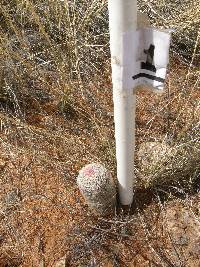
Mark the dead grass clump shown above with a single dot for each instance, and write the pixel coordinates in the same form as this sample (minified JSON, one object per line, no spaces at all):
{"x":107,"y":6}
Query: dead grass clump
{"x":169,"y":130}
{"x":183,"y":18}
{"x":163,"y":165}
{"x":46,"y":48}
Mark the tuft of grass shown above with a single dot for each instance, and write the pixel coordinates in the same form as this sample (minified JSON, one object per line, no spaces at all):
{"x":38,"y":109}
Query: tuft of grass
{"x":49,"y":46}
{"x":173,"y":165}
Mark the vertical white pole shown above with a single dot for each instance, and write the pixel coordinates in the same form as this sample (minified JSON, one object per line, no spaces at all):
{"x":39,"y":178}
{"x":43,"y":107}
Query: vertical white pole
{"x":122,"y":21}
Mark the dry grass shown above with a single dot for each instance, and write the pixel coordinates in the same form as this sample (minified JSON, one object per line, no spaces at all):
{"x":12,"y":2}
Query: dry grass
{"x":183,"y":18}
{"x":174,"y":123}
{"x":56,"y":116}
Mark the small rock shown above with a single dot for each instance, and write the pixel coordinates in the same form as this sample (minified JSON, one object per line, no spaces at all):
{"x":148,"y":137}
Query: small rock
{"x":61,"y":262}
{"x":181,"y":240}
{"x":150,"y":153}
{"x":183,"y":228}
{"x":10,"y":201}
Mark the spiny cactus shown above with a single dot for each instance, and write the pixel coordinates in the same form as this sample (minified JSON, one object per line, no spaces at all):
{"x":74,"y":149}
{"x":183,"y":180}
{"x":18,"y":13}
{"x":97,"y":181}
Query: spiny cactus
{"x":97,"y":187}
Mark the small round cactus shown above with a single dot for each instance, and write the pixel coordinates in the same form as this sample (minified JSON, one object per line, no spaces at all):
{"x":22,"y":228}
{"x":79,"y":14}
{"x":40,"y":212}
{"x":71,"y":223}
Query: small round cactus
{"x":97,"y":187}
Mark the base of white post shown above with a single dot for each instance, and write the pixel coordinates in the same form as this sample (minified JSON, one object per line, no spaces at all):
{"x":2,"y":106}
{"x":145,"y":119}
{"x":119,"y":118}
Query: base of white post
{"x":124,"y":116}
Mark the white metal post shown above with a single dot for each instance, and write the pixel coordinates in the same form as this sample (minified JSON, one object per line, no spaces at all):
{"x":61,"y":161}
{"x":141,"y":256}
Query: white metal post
{"x":122,"y":21}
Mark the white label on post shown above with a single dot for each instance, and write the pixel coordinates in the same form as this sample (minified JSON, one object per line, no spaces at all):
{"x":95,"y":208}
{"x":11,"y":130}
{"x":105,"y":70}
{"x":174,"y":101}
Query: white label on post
{"x":152,"y":57}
